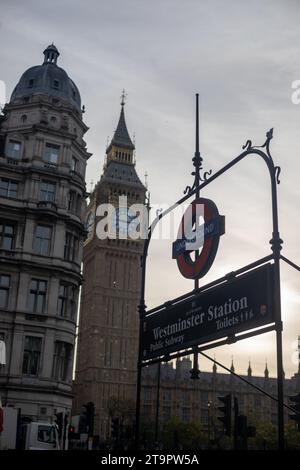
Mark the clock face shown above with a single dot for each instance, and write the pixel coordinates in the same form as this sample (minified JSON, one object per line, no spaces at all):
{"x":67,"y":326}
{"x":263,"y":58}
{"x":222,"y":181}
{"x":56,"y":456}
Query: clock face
{"x":126,"y":222}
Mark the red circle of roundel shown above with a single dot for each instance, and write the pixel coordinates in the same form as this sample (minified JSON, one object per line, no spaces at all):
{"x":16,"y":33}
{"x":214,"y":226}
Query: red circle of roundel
{"x":196,"y":269}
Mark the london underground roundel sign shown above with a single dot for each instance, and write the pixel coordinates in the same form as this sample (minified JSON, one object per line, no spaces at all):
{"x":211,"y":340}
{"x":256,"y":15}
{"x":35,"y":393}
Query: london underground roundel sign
{"x":192,"y":236}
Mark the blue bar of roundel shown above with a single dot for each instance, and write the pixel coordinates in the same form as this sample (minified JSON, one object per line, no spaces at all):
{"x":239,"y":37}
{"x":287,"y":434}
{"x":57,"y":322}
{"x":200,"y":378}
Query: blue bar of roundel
{"x":179,"y":246}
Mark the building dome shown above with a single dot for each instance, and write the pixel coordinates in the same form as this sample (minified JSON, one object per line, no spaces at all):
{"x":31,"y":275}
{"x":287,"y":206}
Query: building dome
{"x":47,"y":79}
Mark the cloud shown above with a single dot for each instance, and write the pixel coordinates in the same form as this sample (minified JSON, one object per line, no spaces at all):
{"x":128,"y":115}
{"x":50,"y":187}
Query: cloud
{"x":242,"y":60}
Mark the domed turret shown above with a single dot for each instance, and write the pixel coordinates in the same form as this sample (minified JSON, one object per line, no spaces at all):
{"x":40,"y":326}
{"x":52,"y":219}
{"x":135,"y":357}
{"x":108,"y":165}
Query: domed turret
{"x":51,"y":54}
{"x":48,"y":79}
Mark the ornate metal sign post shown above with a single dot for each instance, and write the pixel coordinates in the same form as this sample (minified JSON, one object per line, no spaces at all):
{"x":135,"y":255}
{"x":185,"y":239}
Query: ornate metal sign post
{"x":162,"y":339}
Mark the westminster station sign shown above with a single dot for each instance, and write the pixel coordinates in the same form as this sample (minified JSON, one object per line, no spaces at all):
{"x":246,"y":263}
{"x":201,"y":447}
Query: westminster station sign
{"x":242,"y":303}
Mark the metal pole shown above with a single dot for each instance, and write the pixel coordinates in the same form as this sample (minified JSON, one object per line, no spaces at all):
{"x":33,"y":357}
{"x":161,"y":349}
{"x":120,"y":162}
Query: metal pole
{"x":197,"y":164}
{"x":142,"y":312}
{"x":197,"y":160}
{"x":280,"y":388}
{"x":142,"y":309}
{"x":276,"y":243}
{"x":208,"y":406}
{"x":157,"y":402}
{"x":235,"y":429}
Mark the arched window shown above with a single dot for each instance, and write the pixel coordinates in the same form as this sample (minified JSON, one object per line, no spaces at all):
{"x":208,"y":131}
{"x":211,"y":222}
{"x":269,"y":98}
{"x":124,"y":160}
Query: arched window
{"x":90,"y":224}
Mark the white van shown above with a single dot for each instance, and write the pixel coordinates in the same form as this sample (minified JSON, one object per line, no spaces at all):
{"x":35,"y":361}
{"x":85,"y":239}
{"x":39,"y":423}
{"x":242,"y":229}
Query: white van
{"x":30,"y":436}
{"x":39,"y":436}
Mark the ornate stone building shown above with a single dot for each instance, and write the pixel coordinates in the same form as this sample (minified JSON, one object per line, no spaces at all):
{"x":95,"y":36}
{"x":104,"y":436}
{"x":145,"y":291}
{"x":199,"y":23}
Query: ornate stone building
{"x":108,"y":328}
{"x":197,"y":400}
{"x":42,"y":188}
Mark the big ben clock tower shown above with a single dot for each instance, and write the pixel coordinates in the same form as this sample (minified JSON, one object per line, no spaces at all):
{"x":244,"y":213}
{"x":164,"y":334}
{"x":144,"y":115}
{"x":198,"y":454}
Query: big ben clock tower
{"x":108,"y":326}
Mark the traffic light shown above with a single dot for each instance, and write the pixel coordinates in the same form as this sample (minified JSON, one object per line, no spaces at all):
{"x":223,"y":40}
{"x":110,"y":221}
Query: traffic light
{"x":115,"y":428}
{"x":89,"y":414}
{"x":226,"y":411}
{"x":296,"y":417}
{"x":59,"y":422}
{"x":71,"y":432}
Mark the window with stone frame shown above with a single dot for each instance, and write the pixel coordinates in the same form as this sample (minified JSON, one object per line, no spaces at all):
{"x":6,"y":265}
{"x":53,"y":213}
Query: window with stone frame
{"x":7,"y":235}
{"x":71,"y":201}
{"x":4,"y":290}
{"x":71,"y":247}
{"x":185,"y":414}
{"x":13,"y":149}
{"x":67,"y":300}
{"x":62,"y":361}
{"x":108,"y":352}
{"x":8,"y":188}
{"x":74,"y":164}
{"x":167,"y":396}
{"x":47,"y":191}
{"x":204,"y":415}
{"x":204,"y":397}
{"x":257,"y":402}
{"x":37,"y":296}
{"x":166,"y":413}
{"x":78,"y":205}
{"x":73,"y":299}
{"x":74,"y":203}
{"x":31,"y":355}
{"x":42,"y":240}
{"x":51,"y":153}
{"x":185,"y":398}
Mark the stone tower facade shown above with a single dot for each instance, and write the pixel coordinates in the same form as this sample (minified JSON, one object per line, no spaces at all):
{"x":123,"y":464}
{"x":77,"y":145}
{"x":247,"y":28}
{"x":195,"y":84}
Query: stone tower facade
{"x":108,"y":330}
{"x":42,"y":189}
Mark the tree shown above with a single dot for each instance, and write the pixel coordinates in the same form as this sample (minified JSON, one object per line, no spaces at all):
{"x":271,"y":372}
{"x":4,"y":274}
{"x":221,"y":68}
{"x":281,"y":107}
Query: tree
{"x":266,"y":436}
{"x":183,"y":436}
{"x":124,"y":409}
{"x":292,"y":437}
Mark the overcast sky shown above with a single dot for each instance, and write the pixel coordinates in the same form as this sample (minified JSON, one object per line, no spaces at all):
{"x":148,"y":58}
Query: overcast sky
{"x":242,"y":58}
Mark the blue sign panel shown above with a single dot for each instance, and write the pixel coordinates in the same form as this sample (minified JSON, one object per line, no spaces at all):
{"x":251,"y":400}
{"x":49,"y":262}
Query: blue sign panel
{"x":210,"y":229}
